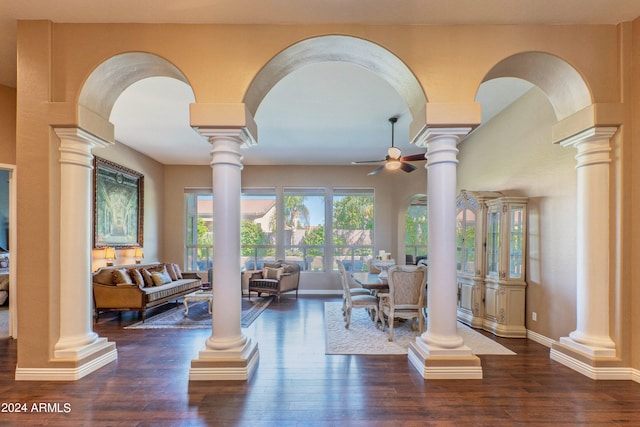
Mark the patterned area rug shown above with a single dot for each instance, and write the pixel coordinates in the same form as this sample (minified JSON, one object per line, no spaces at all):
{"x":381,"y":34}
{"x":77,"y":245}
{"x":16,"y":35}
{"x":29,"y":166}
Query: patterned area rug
{"x":199,"y":317}
{"x":363,"y":337}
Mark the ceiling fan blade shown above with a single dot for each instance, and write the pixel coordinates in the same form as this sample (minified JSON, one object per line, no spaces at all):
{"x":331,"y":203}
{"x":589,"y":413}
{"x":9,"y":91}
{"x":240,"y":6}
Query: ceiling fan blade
{"x":407,"y":167}
{"x":367,"y":162}
{"x":414,"y":157}
{"x":375,"y":171}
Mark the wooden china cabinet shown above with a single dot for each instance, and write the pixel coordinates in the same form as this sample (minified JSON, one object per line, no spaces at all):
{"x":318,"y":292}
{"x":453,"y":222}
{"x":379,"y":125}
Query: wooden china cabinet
{"x":505,"y":285}
{"x":491,"y":242}
{"x":470,"y":257}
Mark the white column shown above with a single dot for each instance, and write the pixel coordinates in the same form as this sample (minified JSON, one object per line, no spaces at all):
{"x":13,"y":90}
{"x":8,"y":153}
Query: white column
{"x":77,"y":339}
{"x":441,"y":338}
{"x":227,"y":342}
{"x":591,"y":336}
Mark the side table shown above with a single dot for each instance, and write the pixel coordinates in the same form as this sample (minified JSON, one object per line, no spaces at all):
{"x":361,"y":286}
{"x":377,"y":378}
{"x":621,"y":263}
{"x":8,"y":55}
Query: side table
{"x":198,"y":296}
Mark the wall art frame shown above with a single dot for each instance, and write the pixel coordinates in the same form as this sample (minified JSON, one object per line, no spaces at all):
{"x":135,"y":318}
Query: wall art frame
{"x":118,"y":205}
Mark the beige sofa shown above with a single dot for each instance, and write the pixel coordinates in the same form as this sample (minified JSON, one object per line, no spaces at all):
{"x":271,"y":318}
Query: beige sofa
{"x":138,"y":287}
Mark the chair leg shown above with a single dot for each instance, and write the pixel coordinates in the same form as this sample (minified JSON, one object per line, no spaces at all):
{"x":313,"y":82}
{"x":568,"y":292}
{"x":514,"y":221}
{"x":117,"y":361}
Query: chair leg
{"x":347,"y":318}
{"x":390,"y":320}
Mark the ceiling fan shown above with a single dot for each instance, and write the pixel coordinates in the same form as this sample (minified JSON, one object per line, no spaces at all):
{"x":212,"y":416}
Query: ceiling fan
{"x":394,"y":159}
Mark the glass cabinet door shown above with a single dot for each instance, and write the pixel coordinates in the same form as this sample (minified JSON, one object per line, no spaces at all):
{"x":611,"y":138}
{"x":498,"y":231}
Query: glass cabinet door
{"x":516,"y":220}
{"x":469,"y":251}
{"x":493,"y":242}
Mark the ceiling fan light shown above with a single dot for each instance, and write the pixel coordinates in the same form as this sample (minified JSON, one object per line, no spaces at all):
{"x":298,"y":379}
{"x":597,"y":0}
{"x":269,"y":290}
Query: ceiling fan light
{"x":392,"y":165}
{"x":394,"y":153}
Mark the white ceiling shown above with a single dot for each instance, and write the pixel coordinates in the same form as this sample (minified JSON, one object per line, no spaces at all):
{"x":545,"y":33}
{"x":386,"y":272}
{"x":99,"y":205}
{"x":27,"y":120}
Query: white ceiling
{"x":322,"y":114}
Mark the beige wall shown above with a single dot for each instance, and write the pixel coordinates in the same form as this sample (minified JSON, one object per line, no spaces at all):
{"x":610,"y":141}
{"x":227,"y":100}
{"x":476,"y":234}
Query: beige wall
{"x":7,"y":125}
{"x":391,"y":192}
{"x":513,"y":154}
{"x":153,"y":203}
{"x":633,"y":161}
{"x":221,"y":61}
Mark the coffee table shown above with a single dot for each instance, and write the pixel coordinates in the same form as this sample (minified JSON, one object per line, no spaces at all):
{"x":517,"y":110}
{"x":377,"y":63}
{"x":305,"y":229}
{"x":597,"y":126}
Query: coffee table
{"x":198,"y":296}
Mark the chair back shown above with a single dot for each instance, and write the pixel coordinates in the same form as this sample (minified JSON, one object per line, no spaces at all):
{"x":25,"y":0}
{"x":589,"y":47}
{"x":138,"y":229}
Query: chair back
{"x":344,"y":279}
{"x":407,"y":285}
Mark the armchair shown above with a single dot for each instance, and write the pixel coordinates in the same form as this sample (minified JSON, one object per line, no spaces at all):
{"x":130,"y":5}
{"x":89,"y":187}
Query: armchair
{"x":406,"y":297}
{"x":275,"y":279}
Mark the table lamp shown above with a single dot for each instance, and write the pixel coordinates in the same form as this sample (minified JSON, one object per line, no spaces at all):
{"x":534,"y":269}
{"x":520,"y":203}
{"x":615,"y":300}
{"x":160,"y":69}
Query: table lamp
{"x":109,"y":255}
{"x":138,"y":254}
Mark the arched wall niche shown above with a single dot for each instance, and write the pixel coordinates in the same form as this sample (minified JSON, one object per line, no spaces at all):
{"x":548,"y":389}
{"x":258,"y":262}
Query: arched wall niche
{"x":109,"y":79}
{"x":338,"y":48}
{"x":564,"y":86}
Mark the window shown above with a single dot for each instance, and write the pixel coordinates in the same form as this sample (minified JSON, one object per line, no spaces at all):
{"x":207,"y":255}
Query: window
{"x":304,"y":228}
{"x":257,"y":228}
{"x":198,"y":230}
{"x":416,"y":231}
{"x":292,"y":226}
{"x":352,"y":228}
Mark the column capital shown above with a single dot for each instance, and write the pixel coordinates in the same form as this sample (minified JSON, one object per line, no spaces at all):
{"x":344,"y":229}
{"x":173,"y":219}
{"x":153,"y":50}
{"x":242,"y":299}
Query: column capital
{"x":242,"y":136}
{"x":76,"y":145}
{"x":429,"y":134}
{"x":593,"y":145}
{"x":594,"y":134}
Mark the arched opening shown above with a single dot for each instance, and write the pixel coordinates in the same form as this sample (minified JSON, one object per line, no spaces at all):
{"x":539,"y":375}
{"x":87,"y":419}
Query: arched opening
{"x":563,"y":85}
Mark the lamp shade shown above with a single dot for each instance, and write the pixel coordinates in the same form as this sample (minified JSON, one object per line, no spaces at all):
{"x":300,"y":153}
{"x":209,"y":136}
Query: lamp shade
{"x":138,"y":254}
{"x":109,"y":255}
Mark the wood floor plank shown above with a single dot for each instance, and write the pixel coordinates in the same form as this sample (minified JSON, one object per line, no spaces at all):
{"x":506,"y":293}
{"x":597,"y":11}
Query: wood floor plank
{"x":296,"y":384}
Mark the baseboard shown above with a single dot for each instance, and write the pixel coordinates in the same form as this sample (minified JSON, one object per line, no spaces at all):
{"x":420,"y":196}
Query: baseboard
{"x":540,"y":339}
{"x":328,"y":292}
{"x":595,"y":373}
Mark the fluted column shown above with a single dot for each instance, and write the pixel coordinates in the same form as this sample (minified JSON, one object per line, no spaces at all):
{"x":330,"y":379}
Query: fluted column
{"x":227,"y":342}
{"x":441,"y":339}
{"x":77,"y":339}
{"x":591,"y":336}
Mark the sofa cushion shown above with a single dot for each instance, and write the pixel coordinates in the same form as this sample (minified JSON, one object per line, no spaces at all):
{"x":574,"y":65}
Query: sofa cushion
{"x":176,"y":268}
{"x":159,"y":292}
{"x":160,"y":278}
{"x":120,"y":275}
{"x":136,"y":276}
{"x":171,"y":270}
{"x":148,"y":280}
{"x":272,"y":273}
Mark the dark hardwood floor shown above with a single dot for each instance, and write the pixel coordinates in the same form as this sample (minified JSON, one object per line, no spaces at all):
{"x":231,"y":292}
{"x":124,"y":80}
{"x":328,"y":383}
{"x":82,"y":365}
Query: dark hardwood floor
{"x":296,"y":384}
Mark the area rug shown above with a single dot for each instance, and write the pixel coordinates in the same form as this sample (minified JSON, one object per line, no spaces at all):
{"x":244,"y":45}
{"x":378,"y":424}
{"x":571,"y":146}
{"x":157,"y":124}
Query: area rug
{"x":199,"y":317}
{"x":363,"y":337}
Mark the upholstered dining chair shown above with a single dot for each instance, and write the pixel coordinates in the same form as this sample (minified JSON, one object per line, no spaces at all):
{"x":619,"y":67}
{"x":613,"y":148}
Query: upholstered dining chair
{"x":406,"y":298}
{"x":355,"y":298}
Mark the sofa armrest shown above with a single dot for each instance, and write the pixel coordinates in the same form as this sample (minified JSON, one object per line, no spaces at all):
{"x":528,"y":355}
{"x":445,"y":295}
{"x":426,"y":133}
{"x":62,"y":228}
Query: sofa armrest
{"x":190,"y":276}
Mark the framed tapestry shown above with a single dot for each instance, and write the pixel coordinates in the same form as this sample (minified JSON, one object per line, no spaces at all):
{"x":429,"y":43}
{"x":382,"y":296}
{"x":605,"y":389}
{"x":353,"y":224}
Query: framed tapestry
{"x":118,"y":205}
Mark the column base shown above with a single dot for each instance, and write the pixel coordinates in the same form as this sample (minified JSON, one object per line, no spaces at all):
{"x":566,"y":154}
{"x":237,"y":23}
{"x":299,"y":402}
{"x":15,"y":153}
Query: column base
{"x":78,"y":363}
{"x":434,"y":363}
{"x":220,"y":365}
{"x":591,"y":352}
{"x":594,"y":363}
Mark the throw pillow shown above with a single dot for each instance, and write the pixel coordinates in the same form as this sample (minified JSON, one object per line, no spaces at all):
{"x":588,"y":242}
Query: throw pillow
{"x":136,"y":276}
{"x":160,"y":278}
{"x":171,"y":271}
{"x":120,"y":275}
{"x":148,"y":280}
{"x":176,"y":268}
{"x":272,"y":273}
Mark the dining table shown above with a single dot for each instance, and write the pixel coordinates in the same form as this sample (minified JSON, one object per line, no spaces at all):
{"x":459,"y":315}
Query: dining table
{"x":370,"y":281}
